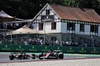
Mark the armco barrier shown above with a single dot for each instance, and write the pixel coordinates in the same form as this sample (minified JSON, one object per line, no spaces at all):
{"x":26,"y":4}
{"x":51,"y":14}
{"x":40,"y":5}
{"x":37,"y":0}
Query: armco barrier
{"x":38,"y":48}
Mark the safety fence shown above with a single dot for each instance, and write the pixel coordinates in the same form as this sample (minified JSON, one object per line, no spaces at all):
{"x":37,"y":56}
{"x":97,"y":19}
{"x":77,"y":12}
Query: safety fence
{"x":39,"y":48}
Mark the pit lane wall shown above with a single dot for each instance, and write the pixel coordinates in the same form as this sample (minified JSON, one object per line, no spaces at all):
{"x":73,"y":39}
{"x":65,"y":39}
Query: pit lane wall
{"x":38,"y":48}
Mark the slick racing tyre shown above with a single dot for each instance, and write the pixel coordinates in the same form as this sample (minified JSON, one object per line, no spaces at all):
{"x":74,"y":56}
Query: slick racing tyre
{"x":61,"y":56}
{"x":11,"y":57}
{"x":33,"y":56}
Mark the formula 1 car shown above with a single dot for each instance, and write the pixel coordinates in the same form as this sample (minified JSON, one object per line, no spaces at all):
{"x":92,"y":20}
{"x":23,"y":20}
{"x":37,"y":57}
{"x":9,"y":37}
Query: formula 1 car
{"x":21,"y":55}
{"x":56,"y":54}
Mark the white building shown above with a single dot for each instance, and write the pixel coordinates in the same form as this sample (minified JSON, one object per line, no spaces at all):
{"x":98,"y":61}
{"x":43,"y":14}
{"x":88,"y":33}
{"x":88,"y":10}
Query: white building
{"x":67,"y":23}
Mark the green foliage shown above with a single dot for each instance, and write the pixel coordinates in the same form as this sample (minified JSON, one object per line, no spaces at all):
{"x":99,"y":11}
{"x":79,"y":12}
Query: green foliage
{"x":29,"y":8}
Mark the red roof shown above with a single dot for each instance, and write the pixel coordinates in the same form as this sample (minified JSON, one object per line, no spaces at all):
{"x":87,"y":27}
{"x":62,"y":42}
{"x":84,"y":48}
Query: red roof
{"x":75,"y":13}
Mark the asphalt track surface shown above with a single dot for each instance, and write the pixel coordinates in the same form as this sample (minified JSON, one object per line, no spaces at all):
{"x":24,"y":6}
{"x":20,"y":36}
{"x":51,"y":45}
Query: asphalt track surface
{"x":4,"y":57}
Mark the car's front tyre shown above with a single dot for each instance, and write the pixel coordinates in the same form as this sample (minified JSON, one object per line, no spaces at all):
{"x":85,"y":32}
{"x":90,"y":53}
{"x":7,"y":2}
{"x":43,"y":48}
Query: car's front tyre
{"x":33,"y":56}
{"x":61,"y":56}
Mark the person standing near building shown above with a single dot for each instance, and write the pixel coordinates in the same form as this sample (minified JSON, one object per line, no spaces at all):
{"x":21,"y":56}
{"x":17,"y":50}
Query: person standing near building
{"x":41,"y":41}
{"x":57,"y":42}
{"x":26,"y":43}
{"x":67,"y":43}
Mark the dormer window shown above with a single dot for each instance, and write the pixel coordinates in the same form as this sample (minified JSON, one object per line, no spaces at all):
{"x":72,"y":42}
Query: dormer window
{"x":47,"y":12}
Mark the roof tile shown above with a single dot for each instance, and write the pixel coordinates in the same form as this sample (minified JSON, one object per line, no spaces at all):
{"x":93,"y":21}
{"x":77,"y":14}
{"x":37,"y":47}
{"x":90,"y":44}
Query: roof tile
{"x":75,"y":13}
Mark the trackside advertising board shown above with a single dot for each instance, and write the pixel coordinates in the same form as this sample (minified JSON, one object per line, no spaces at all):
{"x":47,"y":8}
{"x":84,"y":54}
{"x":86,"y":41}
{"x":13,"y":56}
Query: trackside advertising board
{"x":39,"y":48}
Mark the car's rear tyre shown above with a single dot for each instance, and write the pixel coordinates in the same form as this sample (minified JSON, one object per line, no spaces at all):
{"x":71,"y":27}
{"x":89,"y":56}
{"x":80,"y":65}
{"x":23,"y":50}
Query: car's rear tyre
{"x":11,"y":57}
{"x":61,"y":56}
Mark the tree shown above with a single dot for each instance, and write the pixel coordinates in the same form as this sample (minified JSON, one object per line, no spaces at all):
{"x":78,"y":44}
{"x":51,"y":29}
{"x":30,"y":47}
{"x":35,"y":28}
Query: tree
{"x":29,"y":8}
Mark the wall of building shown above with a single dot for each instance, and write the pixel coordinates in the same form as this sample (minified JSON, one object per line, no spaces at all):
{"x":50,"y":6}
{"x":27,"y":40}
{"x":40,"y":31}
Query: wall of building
{"x":98,"y":30}
{"x":86,"y":30}
{"x":47,"y":28}
{"x":35,"y":26}
{"x":47,"y":24}
{"x":63,"y":27}
{"x":77,"y":28}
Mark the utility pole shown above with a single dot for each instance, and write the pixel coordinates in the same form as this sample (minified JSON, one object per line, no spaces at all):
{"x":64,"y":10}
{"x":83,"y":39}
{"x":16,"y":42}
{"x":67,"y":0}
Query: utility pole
{"x":44,"y":33}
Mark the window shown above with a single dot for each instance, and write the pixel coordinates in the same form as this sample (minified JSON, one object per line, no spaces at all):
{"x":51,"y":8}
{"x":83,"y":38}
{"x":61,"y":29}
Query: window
{"x":82,"y":27}
{"x":40,"y":26}
{"x":94,"y":28}
{"x":53,"y":26}
{"x":47,"y":12}
{"x":70,"y":26}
